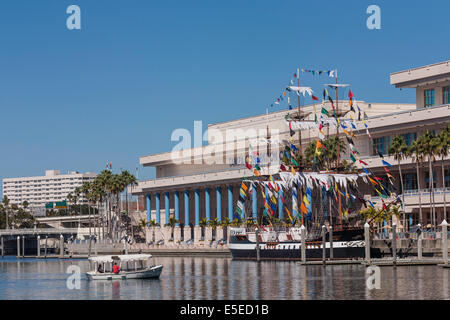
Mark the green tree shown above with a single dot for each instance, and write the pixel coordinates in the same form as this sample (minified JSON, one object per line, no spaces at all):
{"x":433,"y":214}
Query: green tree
{"x":415,"y":151}
{"x":331,"y":145}
{"x":225,"y":223}
{"x":5,"y":202}
{"x":214,"y":223}
{"x":430,"y":146}
{"x":152,"y":224}
{"x":442,"y":150}
{"x":236,"y":223}
{"x":203,"y":224}
{"x":399,"y":149}
{"x":171,"y":224}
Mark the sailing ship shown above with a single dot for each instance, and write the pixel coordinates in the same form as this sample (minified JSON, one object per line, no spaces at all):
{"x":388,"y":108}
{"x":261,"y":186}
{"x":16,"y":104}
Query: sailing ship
{"x":316,"y":194}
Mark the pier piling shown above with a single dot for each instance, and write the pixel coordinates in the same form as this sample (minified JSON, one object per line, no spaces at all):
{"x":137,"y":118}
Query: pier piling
{"x":38,"y":245}
{"x":444,"y":242}
{"x":324,"y":242}
{"x":18,"y":247}
{"x":394,"y":244}
{"x":3,"y":248}
{"x":61,"y":246}
{"x":45,"y":252}
{"x":69,"y":247}
{"x":367,"y":241}
{"x":303,"y":243}
{"x":419,"y":243}
{"x":90,"y":246}
{"x":257,"y":245}
{"x":23,"y":246}
{"x":331,"y":243}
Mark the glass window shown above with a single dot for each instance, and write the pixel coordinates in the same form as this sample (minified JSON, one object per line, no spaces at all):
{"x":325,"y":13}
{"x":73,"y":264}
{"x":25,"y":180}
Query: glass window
{"x":409,"y":137}
{"x":446,"y":91}
{"x":429,"y":97}
{"x":427,"y":179}
{"x":381,"y":144}
{"x":447,"y":178}
{"x":410,"y":181}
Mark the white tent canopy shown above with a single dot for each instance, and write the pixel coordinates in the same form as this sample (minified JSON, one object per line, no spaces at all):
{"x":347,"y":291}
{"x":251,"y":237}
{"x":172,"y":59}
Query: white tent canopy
{"x":124,"y":257}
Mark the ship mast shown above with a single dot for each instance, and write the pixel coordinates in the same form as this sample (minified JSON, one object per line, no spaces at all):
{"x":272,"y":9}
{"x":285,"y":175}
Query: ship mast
{"x":299,"y":118}
{"x":299,"y":141}
{"x":338,"y":148}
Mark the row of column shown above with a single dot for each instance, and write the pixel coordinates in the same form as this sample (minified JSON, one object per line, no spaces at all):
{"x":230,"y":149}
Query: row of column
{"x":157,"y":197}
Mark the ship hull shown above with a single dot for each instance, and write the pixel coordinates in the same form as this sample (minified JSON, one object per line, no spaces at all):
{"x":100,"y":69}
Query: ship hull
{"x":346,"y":246}
{"x":295,"y":254}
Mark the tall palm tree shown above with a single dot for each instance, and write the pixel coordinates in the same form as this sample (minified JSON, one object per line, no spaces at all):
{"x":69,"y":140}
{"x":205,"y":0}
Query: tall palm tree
{"x":430,"y":145}
{"x":86,"y":189}
{"x":399,"y":150}
{"x":103,"y":181}
{"x":76,"y":197}
{"x":5,"y":202}
{"x":443,"y":149}
{"x":331,"y":145}
{"x":98,"y":196}
{"x":128,"y":180}
{"x":416,"y":153}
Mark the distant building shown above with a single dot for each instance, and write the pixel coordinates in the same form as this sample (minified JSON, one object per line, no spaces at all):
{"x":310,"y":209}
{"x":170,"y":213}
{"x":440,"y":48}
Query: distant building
{"x":52,"y":187}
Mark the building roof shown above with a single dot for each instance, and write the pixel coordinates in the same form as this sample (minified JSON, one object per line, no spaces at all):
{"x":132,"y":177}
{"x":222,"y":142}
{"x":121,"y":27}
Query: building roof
{"x":421,"y":76}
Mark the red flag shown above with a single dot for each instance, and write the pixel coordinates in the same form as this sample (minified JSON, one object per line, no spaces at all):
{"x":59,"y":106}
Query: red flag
{"x":295,"y":75}
{"x":384,"y":206}
{"x":248,"y":165}
{"x":315,"y":98}
{"x":363,"y":162}
{"x":350,"y":94}
{"x":283,"y":168}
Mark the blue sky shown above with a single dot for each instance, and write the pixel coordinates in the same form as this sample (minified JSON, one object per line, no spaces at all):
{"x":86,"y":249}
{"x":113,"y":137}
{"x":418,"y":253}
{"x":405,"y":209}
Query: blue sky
{"x":116,"y":89}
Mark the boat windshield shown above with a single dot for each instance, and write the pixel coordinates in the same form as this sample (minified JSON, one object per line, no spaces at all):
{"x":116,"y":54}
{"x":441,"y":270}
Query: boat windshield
{"x":125,"y":262}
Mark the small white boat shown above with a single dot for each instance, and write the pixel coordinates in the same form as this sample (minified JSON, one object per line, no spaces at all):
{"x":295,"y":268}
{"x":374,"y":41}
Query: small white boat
{"x":132,"y":266}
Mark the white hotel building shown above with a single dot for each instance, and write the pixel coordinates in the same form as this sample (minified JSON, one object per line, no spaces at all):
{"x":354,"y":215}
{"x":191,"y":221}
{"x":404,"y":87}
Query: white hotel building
{"x":194,"y":191}
{"x":52,"y":187}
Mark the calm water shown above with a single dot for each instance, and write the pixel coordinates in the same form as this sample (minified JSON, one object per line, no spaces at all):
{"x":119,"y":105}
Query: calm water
{"x":210,"y":278}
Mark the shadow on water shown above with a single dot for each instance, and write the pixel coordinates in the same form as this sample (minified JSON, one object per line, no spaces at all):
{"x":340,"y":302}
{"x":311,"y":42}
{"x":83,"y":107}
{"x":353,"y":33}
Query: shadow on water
{"x":221,"y":278}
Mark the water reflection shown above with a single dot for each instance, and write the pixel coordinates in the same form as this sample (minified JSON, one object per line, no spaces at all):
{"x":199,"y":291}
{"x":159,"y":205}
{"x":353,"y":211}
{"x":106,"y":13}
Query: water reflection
{"x":210,"y":278}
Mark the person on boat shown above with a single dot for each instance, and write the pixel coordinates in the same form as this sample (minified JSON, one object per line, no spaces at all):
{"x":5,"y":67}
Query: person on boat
{"x":116,"y":268}
{"x":100,"y":268}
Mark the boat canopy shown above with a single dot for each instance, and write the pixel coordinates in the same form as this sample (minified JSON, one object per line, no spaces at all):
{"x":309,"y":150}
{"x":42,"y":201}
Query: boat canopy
{"x":123,"y":257}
